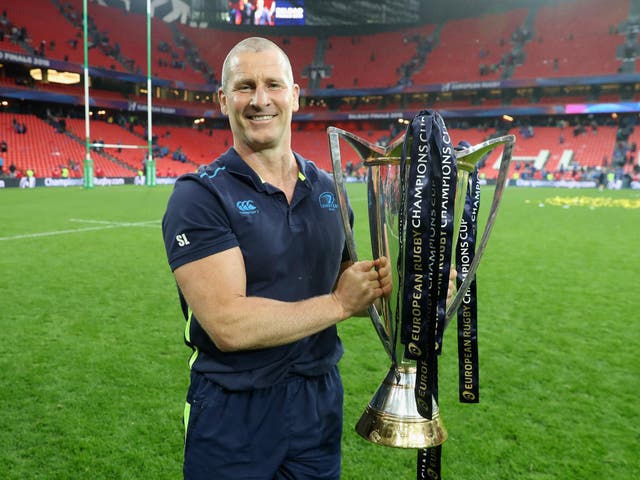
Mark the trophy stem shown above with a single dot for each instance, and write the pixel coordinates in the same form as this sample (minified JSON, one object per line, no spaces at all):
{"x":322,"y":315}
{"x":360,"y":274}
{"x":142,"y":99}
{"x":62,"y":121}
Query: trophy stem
{"x":392,"y":419}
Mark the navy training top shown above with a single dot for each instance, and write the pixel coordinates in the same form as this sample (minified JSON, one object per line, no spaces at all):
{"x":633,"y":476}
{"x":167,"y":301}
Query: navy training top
{"x":291,"y":252}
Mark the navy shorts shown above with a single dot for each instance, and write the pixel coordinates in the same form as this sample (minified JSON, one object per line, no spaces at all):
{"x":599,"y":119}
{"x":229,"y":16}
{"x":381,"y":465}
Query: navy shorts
{"x":291,"y":430}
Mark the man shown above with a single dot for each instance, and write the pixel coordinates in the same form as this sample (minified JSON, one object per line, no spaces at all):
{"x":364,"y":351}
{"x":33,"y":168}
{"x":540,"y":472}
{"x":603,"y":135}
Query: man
{"x":256,"y":245}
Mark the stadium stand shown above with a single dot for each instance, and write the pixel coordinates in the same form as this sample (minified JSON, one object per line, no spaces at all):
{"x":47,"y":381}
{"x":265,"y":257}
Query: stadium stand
{"x":376,"y":59}
{"x":464,"y":45}
{"x":574,"y":39}
{"x":589,"y":148}
{"x":127,"y":35}
{"x":314,"y":145}
{"x":634,"y":155}
{"x":198,"y":145}
{"x":111,"y":133}
{"x":505,"y":43}
{"x":44,"y":150}
{"x":53,"y":32}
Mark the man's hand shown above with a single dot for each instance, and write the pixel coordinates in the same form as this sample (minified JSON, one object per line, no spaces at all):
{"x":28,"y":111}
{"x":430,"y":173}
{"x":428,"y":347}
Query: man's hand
{"x":383,"y":267}
{"x":358,"y":287}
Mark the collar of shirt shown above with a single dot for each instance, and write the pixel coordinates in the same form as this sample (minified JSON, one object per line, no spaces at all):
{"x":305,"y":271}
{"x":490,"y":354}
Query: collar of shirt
{"x":236,"y":166}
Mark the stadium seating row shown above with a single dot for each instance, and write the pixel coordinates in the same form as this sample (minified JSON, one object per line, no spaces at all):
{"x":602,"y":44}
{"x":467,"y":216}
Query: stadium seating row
{"x":43,"y":148}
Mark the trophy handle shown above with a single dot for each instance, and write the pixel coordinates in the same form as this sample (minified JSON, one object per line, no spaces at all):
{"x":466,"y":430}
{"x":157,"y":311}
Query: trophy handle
{"x":466,"y":162}
{"x":341,"y":194}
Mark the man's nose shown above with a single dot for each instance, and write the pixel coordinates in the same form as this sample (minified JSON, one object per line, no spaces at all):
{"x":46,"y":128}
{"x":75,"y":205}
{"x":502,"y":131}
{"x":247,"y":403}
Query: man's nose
{"x":260,"y":96}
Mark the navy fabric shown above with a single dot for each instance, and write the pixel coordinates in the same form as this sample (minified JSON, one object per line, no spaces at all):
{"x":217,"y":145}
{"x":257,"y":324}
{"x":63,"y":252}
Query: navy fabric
{"x":288,"y":431}
{"x":292,"y":251}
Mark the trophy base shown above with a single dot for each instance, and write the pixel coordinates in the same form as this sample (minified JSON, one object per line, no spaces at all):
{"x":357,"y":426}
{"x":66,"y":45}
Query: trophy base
{"x":392,"y":419}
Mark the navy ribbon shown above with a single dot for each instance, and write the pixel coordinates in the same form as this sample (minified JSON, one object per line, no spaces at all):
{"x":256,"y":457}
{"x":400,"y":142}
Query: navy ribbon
{"x":468,"y":361}
{"x":426,"y":225}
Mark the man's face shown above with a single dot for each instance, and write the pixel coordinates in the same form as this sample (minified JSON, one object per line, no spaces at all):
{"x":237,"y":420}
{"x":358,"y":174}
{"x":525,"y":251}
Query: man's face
{"x":259,"y":100}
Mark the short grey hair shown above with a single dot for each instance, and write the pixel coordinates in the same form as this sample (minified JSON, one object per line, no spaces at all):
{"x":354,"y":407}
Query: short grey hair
{"x":253,"y":44}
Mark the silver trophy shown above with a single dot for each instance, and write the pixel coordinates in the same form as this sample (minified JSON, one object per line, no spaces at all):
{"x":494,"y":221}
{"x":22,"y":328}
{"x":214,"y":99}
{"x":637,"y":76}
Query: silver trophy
{"x":392,"y":418}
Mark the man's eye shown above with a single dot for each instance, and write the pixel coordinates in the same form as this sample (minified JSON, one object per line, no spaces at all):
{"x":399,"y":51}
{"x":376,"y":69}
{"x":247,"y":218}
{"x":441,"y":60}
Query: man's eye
{"x":245,"y":88}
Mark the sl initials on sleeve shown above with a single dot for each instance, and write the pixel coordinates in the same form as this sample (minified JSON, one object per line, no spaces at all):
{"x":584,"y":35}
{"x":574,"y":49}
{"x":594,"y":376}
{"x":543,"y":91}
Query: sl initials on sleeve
{"x":182,"y":239}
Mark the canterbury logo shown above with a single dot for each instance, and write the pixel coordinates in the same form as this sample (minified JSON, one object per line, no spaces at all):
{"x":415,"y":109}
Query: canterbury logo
{"x":246,"y":207}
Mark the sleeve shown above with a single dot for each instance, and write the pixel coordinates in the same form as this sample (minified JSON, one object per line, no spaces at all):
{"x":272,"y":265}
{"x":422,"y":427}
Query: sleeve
{"x":195,"y":224}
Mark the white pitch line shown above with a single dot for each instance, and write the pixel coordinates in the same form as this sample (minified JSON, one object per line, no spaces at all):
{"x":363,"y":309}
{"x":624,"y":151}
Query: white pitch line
{"x":107,"y":225}
{"x":103,"y":222}
{"x":148,"y":223}
{"x":56,"y":232}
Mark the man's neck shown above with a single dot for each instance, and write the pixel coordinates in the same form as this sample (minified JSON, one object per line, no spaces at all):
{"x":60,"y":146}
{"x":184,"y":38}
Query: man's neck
{"x":276,"y":167}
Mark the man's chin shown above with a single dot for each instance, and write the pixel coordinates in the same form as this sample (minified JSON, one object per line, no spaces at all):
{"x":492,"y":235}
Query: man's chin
{"x":264,"y":138}
{"x":259,"y":144}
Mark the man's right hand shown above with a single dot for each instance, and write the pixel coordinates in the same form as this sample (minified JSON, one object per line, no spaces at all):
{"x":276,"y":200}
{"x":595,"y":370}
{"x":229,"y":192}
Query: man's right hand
{"x":358,"y":287}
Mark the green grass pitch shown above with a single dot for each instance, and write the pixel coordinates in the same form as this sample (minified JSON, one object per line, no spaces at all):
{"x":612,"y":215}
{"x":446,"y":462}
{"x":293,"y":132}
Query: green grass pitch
{"x":93,"y":371}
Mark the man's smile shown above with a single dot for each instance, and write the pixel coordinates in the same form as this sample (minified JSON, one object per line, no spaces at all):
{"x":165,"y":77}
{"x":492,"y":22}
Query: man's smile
{"x":261,"y":118}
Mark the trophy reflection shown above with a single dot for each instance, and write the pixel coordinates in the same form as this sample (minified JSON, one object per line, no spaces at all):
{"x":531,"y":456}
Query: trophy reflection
{"x":391,"y":418}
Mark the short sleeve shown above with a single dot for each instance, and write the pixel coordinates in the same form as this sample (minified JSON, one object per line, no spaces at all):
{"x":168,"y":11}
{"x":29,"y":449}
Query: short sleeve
{"x":195,"y":224}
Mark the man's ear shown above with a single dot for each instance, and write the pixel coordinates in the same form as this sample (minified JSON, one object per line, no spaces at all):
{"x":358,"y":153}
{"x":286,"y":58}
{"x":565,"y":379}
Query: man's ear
{"x":296,"y":97}
{"x":222,"y":98}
